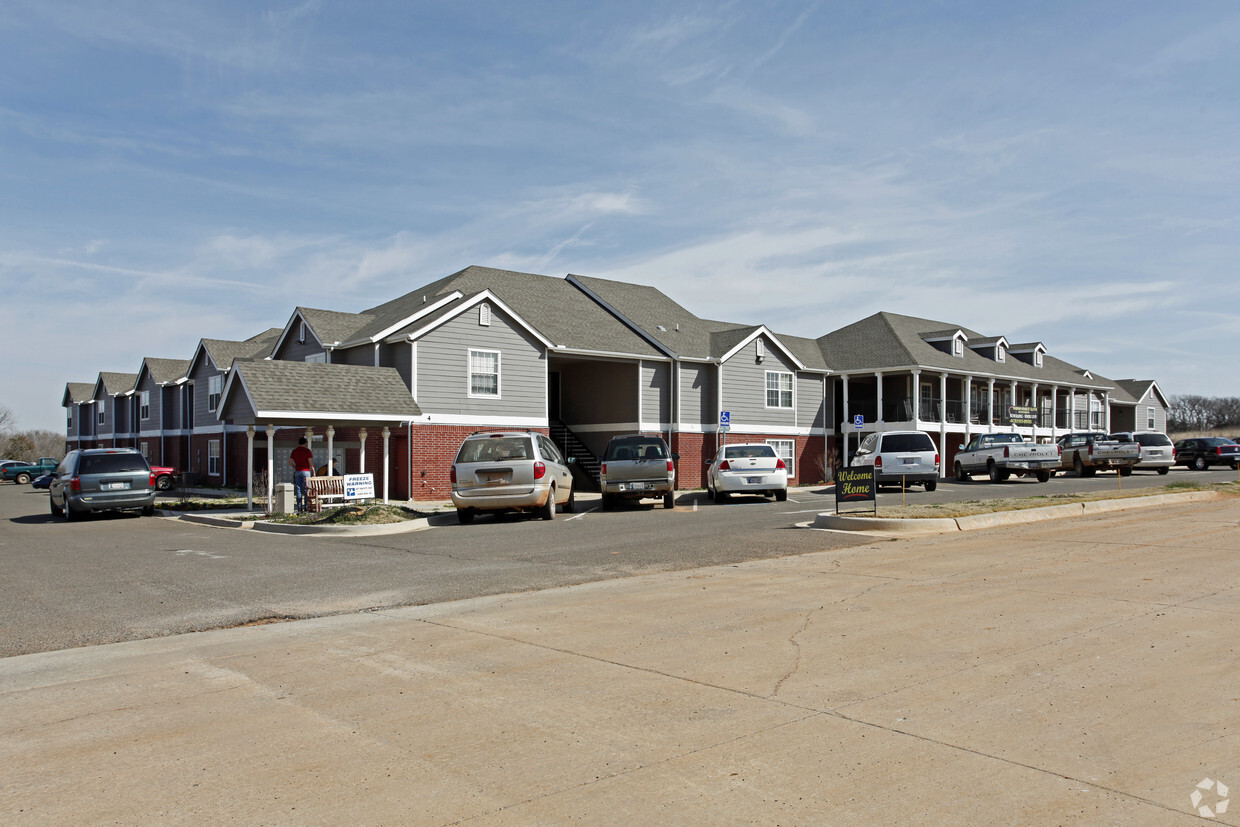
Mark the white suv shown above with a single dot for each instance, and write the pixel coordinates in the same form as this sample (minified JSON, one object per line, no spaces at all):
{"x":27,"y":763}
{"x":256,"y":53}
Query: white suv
{"x":900,"y":457}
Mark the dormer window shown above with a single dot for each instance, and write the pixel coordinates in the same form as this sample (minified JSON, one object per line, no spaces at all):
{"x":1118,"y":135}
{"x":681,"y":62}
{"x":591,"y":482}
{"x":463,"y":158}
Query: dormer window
{"x":958,"y":347}
{"x":1000,"y":354}
{"x":1037,"y":358}
{"x":484,"y":315}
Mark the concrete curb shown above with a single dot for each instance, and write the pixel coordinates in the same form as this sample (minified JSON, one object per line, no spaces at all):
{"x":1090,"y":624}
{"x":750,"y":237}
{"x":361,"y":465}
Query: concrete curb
{"x":420,"y":524}
{"x":942,"y":525}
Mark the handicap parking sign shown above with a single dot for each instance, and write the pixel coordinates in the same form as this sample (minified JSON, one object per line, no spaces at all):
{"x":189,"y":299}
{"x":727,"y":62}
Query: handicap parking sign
{"x":725,"y":418}
{"x":858,"y":422}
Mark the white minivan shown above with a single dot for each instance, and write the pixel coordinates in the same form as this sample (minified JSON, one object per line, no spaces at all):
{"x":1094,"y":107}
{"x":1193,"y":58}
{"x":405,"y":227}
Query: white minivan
{"x":900,"y":458}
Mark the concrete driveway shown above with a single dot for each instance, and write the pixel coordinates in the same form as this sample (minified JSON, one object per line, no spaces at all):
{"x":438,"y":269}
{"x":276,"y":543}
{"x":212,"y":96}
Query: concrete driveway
{"x":1078,"y":671}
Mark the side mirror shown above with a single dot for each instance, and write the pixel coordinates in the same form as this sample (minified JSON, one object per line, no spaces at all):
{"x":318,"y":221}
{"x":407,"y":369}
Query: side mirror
{"x":571,"y":461}
{"x":960,"y":447}
{"x":676,"y":457}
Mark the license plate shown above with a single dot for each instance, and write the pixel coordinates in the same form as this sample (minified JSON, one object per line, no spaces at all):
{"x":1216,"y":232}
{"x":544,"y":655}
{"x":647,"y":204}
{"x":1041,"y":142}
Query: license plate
{"x":634,"y":486}
{"x":115,"y":486}
{"x":753,"y":480}
{"x":909,"y":460}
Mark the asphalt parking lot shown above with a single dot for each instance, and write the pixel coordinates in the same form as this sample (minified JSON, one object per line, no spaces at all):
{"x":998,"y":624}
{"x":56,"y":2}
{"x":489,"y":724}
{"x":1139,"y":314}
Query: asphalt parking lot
{"x":1074,"y":672}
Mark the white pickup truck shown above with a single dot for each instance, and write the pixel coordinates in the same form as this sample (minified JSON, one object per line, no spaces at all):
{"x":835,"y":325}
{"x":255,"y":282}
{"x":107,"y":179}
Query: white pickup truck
{"x":1003,"y":455}
{"x":1086,"y":452}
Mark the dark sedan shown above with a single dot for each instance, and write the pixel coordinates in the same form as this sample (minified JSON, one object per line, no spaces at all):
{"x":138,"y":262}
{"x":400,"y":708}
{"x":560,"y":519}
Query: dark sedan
{"x":1202,"y":452}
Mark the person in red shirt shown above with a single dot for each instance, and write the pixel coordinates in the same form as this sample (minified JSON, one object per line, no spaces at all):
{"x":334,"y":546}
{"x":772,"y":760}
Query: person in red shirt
{"x":302,"y":461}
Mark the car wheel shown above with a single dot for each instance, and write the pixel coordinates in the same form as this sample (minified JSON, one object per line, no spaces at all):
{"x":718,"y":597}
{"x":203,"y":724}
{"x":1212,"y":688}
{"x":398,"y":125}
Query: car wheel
{"x":609,"y":502}
{"x":148,"y":510}
{"x":1043,"y":476}
{"x":68,"y":512}
{"x":56,"y":512}
{"x":1125,"y":472}
{"x":22,"y":478}
{"x":1163,"y":470}
{"x":1077,"y":465}
{"x":570,"y":505}
{"x":961,"y":476}
{"x":931,"y":485}
{"x":465,"y":515}
{"x":721,"y":497}
{"x":164,"y":482}
{"x":1200,"y":464}
{"x":781,"y":496}
{"x":993,"y":472}
{"x":547,"y":512}
{"x":669,"y":499}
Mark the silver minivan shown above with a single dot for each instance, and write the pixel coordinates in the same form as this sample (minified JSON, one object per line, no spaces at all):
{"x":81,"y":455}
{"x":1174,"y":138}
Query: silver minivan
{"x":900,"y":458}
{"x":102,"y":479}
{"x":510,"y":471}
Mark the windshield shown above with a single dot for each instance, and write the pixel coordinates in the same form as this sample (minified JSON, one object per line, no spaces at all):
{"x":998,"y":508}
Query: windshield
{"x":495,"y":449}
{"x":635,"y":447}
{"x":112,"y":463}
{"x":748,"y":451}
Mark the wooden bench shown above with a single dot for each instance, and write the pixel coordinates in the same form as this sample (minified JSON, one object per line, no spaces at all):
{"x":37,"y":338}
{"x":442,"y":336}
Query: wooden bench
{"x":320,"y":490}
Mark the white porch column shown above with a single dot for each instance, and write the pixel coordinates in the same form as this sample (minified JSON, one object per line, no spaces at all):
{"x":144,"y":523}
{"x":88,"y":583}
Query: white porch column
{"x":1072,"y":409}
{"x":968,"y":408}
{"x":271,"y":468}
{"x":1037,"y":412}
{"x":1106,"y":411}
{"x":990,"y":405}
{"x":943,"y":419}
{"x":331,"y":465}
{"x":361,"y":434}
{"x":916,"y":397}
{"x":1054,"y":410}
{"x":249,"y":468}
{"x":846,"y":424}
{"x":878,"y":415}
{"x":387,"y":465}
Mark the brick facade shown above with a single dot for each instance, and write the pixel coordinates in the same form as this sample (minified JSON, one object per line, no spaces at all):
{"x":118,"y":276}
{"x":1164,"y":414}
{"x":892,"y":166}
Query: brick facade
{"x":432,"y":452}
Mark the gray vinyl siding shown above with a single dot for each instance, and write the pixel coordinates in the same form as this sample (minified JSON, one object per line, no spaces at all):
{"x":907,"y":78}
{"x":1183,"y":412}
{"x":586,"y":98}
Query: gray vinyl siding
{"x":1151,"y":400}
{"x":171,"y":407}
{"x":150,"y":425}
{"x":656,"y":392}
{"x":809,"y":400}
{"x":697,"y":394}
{"x":103,"y":428}
{"x":293,"y":351}
{"x":744,"y":387}
{"x":362,"y":355}
{"x":443,"y":368}
{"x":201,"y":377}
{"x":398,"y":356}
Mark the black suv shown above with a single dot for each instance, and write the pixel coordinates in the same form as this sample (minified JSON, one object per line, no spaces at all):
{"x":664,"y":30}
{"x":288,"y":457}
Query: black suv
{"x":102,"y":479}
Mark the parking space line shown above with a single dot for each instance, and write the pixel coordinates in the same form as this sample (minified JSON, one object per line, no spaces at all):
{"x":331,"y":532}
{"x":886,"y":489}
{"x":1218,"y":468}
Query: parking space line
{"x":580,"y":515}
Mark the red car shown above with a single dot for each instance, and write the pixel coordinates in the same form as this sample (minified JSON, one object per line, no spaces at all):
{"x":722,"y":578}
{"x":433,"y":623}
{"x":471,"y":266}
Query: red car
{"x":164,"y":477}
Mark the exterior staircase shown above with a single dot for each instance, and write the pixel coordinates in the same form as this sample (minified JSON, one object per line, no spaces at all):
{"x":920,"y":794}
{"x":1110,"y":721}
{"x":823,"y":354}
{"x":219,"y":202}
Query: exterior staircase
{"x":587,"y":466}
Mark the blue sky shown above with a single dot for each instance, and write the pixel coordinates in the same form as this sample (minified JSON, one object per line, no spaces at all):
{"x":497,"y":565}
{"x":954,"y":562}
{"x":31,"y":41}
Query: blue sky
{"x":1060,"y":172}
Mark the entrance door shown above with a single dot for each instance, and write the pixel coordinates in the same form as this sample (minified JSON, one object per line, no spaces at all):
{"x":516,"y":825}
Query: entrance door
{"x":553,"y":396}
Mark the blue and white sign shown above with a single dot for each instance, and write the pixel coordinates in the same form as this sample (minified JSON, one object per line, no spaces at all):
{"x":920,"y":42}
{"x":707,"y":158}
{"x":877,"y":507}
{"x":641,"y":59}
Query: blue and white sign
{"x":359,"y":486}
{"x":858,"y":422}
{"x":725,"y":419}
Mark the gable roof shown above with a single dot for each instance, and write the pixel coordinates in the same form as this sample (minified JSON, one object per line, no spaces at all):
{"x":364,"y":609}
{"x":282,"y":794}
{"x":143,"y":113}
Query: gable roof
{"x":163,"y":371}
{"x":77,"y":393}
{"x":283,"y":392}
{"x":559,"y":312}
{"x":892,"y":341}
{"x":114,"y":384}
{"x":223,"y":352}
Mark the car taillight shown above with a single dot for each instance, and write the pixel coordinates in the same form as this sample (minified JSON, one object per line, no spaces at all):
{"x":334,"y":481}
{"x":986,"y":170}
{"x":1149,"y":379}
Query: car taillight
{"x":1006,"y":453}
{"x":670,"y":467}
{"x":878,"y":461}
{"x":1219,"y":450}
{"x":452,"y":475}
{"x":152,"y":479}
{"x":603,"y":469}
{"x":540,"y":470}
{"x":1091,"y":449}
{"x":1173,"y":453}
{"x":1059,"y":450}
{"x":75,"y":484}
{"x":779,"y":465}
{"x":936,"y":459}
{"x":725,"y":466}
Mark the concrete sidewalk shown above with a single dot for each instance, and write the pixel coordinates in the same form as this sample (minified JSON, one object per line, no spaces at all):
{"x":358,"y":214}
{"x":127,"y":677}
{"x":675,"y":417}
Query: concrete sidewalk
{"x":1076,"y":671}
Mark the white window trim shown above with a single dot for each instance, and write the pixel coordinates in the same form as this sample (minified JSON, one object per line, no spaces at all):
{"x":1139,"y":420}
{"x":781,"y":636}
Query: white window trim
{"x":789,"y":460}
{"x":1151,"y":419}
{"x":103,"y":410}
{"x":791,"y":391}
{"x":144,"y":448}
{"x":958,"y":347}
{"x":1000,"y":354}
{"x":215,"y":388}
{"x":144,"y":405}
{"x":469,"y":374}
{"x":213,"y":457}
{"x":484,"y":315}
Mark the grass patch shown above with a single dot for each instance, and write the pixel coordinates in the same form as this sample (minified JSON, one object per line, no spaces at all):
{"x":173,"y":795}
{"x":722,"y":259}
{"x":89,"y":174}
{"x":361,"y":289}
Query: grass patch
{"x":378,"y":514}
{"x":970,"y":507}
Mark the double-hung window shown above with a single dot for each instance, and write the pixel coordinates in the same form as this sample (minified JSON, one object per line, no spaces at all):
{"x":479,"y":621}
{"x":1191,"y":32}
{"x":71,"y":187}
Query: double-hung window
{"x":1150,"y":420}
{"x":213,"y":457}
{"x":778,"y":389}
{"x":484,"y":373}
{"x":215,"y":386}
{"x":103,"y":410}
{"x":144,"y":405}
{"x":784,"y":450}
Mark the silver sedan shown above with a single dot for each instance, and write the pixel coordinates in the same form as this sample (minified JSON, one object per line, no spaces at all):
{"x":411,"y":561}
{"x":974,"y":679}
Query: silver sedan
{"x":747,"y":468}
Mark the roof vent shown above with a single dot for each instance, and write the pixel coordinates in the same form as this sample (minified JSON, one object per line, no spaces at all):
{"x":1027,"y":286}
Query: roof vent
{"x":660,"y":327}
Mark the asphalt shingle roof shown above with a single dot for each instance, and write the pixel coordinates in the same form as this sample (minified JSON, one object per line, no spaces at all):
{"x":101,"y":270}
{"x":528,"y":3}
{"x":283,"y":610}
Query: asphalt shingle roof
{"x":164,"y":371}
{"x":114,"y":383}
{"x":224,"y":351}
{"x":276,"y":385}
